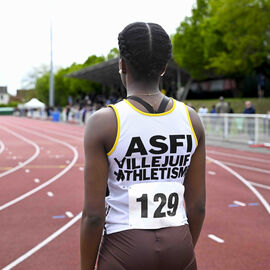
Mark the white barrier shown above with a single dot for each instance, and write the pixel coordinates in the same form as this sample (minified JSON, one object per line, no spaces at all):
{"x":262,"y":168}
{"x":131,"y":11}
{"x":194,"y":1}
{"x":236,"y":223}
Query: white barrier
{"x":245,"y":128}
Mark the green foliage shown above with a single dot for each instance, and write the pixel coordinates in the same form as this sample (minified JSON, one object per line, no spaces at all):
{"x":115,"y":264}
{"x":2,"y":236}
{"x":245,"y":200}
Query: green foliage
{"x":42,"y":87}
{"x":225,"y":37}
{"x":13,"y":104}
{"x":113,"y":54}
{"x":65,"y":86}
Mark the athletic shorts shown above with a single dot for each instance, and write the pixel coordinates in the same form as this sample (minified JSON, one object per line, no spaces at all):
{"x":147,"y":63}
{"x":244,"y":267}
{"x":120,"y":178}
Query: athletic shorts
{"x":161,"y":249}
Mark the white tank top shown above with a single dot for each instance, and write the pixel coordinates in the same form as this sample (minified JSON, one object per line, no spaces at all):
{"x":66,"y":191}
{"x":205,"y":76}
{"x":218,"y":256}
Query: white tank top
{"x":147,"y":167}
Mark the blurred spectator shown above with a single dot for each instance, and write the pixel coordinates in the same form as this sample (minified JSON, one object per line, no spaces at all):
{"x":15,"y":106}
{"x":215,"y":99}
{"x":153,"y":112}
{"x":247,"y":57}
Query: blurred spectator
{"x":222,"y":106}
{"x":230,"y":108}
{"x":203,"y":110}
{"x":261,"y":85}
{"x":213,"y":118}
{"x":213,"y":110}
{"x":249,"y":109}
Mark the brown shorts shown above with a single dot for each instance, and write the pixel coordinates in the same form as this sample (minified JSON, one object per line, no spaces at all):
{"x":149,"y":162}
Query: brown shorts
{"x":162,"y":249}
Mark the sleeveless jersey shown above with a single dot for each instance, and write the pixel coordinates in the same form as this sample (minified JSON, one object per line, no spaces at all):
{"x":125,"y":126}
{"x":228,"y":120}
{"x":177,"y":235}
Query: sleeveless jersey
{"x":147,"y":166}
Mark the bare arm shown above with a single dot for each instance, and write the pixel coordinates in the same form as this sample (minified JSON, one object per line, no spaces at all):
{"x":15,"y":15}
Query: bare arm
{"x":95,"y":182}
{"x":195,"y":182}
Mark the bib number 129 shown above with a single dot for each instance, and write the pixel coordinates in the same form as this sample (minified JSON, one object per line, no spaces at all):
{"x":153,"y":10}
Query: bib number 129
{"x":156,"y":205}
{"x":171,"y":202}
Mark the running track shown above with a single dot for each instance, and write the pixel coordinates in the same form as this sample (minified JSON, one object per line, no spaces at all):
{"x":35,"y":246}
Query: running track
{"x":41,"y":197}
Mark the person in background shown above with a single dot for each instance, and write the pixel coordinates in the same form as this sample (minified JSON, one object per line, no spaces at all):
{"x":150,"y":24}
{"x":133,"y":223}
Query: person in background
{"x":213,"y":118}
{"x":222,"y":106}
{"x":250,"y":121}
{"x":203,"y":110}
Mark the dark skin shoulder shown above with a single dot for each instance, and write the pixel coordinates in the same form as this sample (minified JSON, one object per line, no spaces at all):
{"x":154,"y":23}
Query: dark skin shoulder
{"x":195,"y":181}
{"x":100,"y":132}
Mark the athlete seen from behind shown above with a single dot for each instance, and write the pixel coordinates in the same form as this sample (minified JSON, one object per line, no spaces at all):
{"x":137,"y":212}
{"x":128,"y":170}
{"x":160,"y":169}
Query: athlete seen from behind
{"x":150,"y":152}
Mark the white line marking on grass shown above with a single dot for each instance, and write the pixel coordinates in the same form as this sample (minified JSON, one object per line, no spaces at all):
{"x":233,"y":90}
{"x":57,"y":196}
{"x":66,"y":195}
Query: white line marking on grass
{"x":259,"y":185}
{"x":69,"y":214}
{"x":215,"y":238}
{"x":245,"y":182}
{"x":246,"y":167}
{"x":50,"y":194}
{"x":2,"y":146}
{"x":237,"y":156}
{"x":51,"y":180}
{"x":43,"y":243}
{"x":239,"y":203}
{"x":25,"y":162}
{"x":211,"y":173}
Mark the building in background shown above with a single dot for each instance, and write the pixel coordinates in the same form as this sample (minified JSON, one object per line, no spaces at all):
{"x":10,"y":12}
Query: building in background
{"x":4,"y":96}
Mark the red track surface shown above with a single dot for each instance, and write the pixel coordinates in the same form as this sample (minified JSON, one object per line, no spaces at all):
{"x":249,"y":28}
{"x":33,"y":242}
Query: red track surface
{"x":29,"y":221}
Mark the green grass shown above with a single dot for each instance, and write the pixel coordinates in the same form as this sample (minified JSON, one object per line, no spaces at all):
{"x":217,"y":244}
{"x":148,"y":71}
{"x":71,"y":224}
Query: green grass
{"x":262,"y":105}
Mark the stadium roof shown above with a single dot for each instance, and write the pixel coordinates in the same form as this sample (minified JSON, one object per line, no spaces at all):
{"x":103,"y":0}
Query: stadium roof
{"x":106,"y":72}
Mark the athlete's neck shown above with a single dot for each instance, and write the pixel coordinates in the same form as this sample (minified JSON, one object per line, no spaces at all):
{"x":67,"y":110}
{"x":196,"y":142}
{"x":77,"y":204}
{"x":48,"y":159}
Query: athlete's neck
{"x":142,"y":88}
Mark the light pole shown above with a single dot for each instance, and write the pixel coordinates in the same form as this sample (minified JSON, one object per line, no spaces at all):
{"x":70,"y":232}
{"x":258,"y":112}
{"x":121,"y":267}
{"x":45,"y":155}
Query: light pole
{"x":51,"y":92}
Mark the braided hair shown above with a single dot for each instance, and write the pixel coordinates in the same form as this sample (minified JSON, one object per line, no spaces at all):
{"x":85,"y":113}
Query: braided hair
{"x":146,"y":48}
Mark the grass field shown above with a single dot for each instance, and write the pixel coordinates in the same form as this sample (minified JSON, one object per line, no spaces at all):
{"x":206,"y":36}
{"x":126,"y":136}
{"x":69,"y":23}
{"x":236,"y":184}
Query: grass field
{"x":262,"y":105}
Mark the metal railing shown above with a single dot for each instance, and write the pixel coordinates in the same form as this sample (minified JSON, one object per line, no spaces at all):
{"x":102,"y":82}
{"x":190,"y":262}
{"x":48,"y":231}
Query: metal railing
{"x":243,"y":128}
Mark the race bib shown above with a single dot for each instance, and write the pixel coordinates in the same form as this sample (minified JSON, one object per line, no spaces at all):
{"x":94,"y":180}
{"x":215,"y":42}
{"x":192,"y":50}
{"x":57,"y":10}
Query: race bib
{"x":156,"y":205}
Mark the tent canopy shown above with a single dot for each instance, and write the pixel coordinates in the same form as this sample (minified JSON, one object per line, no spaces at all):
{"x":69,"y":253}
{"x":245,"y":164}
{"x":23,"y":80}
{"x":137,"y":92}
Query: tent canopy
{"x":34,"y":103}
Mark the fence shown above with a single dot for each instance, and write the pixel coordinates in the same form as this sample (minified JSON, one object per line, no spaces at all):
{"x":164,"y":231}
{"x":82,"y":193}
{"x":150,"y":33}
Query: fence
{"x":242,"y":128}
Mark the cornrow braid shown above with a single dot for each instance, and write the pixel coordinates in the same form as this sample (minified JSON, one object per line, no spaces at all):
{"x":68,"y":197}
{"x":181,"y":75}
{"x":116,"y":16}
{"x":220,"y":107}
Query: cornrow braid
{"x":146,"y":48}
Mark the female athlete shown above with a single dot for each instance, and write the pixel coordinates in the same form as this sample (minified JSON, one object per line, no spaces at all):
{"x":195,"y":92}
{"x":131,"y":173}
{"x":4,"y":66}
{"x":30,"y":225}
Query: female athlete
{"x":148,"y":152}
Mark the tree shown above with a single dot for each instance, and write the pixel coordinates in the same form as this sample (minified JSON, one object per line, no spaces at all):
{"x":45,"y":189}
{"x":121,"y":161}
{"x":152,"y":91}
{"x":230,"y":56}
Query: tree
{"x":29,"y":80}
{"x":113,"y":54}
{"x":225,"y":37}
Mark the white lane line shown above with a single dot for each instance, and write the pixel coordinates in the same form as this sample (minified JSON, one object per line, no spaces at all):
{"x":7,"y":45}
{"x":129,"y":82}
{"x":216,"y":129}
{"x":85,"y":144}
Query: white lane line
{"x":67,"y":161}
{"x":27,"y":171}
{"x":244,"y":181}
{"x":211,"y":173}
{"x":246,"y":167}
{"x":28,"y":160}
{"x":66,"y":135}
{"x":50,"y":194}
{"x":69,"y":214}
{"x":259,"y":185}
{"x":51,"y":180}
{"x":2,"y":146}
{"x":81,"y":168}
{"x":43,"y":243}
{"x":237,"y":156}
{"x":215,"y":238}
{"x":36,"y":180}
{"x":239,"y":203}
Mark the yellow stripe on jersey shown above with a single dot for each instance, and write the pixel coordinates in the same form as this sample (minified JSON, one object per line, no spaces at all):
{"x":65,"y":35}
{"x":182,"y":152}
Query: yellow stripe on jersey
{"x":151,"y":114}
{"x":191,"y":126}
{"x":118,"y":129}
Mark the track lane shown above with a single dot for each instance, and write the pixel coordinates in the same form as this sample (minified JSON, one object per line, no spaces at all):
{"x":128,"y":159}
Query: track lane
{"x":43,"y":168}
{"x":11,"y":160}
{"x":67,"y":197}
{"x":244,"y":248}
{"x":237,"y":252}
